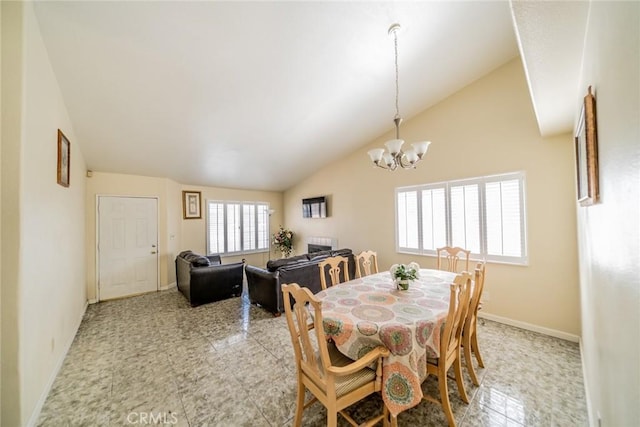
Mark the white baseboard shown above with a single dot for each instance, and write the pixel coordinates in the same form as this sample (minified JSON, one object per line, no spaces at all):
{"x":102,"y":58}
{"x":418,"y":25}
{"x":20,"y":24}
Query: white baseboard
{"x":169,"y":286}
{"x":33,"y":420}
{"x":92,"y":301}
{"x":530,"y":327}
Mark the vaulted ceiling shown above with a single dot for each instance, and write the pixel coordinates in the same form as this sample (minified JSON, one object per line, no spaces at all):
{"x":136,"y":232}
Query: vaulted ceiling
{"x":256,"y":94}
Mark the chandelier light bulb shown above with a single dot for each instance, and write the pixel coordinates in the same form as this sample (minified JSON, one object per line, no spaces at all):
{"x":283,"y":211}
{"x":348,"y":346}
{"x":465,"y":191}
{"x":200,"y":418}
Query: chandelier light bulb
{"x":411,"y":156}
{"x":421,"y":147}
{"x":388,"y":160}
{"x":394,"y":146}
{"x":376,"y":154}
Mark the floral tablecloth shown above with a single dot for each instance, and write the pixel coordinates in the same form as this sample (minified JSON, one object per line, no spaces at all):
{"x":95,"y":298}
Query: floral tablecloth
{"x":362,"y":314}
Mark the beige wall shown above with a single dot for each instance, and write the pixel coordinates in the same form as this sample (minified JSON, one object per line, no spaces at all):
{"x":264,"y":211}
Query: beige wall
{"x":175,"y":233}
{"x":1,"y":127}
{"x":194,"y":230}
{"x":111,"y":184}
{"x":608,"y":233}
{"x":487,"y":128}
{"x":12,"y":52}
{"x":0,"y":216}
{"x":47,"y":290}
{"x":174,"y":228}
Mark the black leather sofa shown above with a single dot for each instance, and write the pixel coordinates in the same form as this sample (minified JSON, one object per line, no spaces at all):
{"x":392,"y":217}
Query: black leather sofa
{"x":264,"y":285}
{"x":204,"y":279}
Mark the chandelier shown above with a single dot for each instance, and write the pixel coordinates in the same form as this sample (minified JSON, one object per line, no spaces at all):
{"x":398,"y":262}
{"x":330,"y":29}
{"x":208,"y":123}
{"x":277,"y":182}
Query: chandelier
{"x":394,"y":156}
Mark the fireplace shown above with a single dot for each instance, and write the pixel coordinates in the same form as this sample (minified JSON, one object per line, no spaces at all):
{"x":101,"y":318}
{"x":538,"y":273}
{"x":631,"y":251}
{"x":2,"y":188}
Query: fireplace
{"x":312,"y":247}
{"x":317,"y":244}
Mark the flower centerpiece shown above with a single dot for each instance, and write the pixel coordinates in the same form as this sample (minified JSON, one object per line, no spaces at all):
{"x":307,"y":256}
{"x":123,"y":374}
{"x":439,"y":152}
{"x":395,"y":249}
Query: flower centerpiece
{"x":403,"y":274}
{"x":283,"y":241}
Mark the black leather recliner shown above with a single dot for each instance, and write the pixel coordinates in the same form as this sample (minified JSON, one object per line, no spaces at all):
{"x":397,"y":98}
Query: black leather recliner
{"x":204,"y":279}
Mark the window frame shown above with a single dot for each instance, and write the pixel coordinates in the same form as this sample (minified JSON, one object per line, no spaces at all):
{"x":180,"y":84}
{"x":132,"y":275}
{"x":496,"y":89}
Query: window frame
{"x":481,"y":181}
{"x":256,"y":231}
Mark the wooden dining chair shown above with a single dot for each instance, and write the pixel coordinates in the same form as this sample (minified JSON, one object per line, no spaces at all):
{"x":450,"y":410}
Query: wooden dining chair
{"x":469,"y":334}
{"x":337,"y":264}
{"x":452,"y":255}
{"x":366,"y":263}
{"x":333,"y":379}
{"x":450,"y":339}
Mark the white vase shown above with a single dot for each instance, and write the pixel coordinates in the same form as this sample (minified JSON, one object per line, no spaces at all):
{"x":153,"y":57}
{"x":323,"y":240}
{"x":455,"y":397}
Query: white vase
{"x":403,"y":284}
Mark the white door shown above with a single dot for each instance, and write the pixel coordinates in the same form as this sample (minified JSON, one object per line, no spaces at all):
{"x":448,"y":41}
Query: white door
{"x":127,"y":246}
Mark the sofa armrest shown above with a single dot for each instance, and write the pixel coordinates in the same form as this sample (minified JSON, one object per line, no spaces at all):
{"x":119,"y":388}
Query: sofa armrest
{"x":183,"y":276}
{"x":264,"y":288}
{"x":216,"y":282}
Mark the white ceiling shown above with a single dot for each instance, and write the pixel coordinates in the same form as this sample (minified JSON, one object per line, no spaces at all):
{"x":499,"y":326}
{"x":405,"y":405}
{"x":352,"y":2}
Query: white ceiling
{"x":551,"y":38}
{"x":256,"y":95}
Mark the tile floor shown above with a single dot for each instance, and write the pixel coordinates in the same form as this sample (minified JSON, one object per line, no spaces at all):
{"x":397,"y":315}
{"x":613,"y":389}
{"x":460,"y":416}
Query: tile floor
{"x":153,"y":359}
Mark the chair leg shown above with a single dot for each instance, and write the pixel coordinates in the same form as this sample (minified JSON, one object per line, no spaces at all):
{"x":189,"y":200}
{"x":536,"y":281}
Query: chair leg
{"x":469,"y":362}
{"x":332,"y":417}
{"x":332,"y":414}
{"x":297,"y":420}
{"x":385,"y":414}
{"x":457,"y":366}
{"x":476,"y":349}
{"x":394,"y":420}
{"x":444,"y":398}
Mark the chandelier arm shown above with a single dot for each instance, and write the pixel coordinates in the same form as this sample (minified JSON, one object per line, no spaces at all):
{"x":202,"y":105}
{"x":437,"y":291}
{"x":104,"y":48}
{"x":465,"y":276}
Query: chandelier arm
{"x":379,"y":165}
{"x":393,"y":167}
{"x":383,"y":166}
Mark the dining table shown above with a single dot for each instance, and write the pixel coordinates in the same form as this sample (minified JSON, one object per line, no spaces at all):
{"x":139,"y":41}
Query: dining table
{"x":364,"y":313}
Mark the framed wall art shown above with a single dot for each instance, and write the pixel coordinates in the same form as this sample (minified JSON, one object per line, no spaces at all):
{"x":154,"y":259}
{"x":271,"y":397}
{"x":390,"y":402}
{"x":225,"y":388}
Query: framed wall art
{"x":587,"y":153}
{"x":64,"y":159}
{"x":191,"y":205}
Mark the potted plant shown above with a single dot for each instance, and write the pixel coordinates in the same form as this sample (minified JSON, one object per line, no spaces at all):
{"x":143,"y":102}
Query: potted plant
{"x":403,"y":274}
{"x":283,"y":241}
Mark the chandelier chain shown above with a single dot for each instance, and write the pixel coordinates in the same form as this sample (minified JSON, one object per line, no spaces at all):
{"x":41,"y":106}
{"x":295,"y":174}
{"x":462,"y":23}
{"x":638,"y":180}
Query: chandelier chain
{"x":395,"y":43}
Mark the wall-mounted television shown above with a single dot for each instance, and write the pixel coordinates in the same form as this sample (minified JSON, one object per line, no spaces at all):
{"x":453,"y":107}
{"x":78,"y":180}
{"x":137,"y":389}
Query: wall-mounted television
{"x":314,"y":207}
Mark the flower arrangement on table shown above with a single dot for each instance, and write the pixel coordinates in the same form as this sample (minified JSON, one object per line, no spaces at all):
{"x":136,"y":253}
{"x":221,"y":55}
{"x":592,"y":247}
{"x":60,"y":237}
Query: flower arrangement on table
{"x":283,"y":241}
{"x":403,"y":274}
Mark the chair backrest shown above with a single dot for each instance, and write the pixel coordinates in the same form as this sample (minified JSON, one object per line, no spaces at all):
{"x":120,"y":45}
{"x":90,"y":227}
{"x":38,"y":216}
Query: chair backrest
{"x":458,"y":307}
{"x":476,"y":295}
{"x":452,"y":256}
{"x":300,"y":326}
{"x":366,"y":263}
{"x":337,"y":264}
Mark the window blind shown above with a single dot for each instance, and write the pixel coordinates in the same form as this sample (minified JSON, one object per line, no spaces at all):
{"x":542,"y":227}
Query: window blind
{"x":236,"y":228}
{"x":484,"y":214}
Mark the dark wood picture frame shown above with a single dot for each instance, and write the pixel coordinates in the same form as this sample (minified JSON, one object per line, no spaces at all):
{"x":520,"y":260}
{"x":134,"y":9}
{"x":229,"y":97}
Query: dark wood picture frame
{"x":64,"y":159}
{"x":191,"y":205}
{"x":587,"y":153}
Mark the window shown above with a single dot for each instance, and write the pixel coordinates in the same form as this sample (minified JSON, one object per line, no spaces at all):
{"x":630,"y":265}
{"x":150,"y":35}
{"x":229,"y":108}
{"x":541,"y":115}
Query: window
{"x":485,"y":215}
{"x":237,"y":227}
